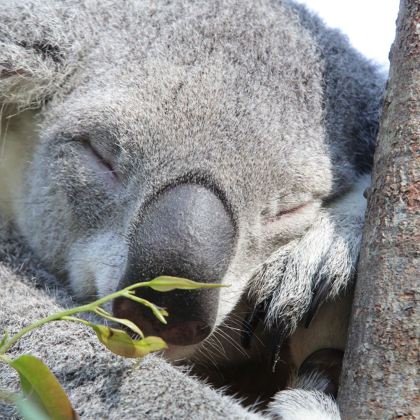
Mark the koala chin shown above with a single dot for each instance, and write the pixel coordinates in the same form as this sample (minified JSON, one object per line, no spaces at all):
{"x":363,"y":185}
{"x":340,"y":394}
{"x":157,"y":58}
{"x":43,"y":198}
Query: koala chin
{"x":218,"y":141}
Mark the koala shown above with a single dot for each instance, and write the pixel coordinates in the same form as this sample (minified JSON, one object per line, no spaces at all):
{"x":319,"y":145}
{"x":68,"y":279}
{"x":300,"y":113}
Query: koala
{"x":225,"y":141}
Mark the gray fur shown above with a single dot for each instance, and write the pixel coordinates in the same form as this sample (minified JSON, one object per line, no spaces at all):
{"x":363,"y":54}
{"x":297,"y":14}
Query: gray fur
{"x":100,"y":385}
{"x":256,"y":98}
{"x":325,"y":256}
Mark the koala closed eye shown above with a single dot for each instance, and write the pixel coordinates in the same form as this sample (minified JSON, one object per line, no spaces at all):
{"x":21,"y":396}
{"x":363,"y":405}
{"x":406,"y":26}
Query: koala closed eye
{"x":104,"y":166}
{"x":97,"y":159}
{"x":290,"y":210}
{"x":283,"y":223}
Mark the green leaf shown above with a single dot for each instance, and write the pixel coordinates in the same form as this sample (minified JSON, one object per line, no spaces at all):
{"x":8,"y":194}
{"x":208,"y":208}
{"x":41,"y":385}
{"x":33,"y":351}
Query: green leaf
{"x":42,"y":388}
{"x":120,"y":343}
{"x":168,"y":283}
{"x":4,"y":339}
{"x":129,"y":324}
{"x":152,"y":343}
{"x":30,"y":411}
{"x":158,"y":312}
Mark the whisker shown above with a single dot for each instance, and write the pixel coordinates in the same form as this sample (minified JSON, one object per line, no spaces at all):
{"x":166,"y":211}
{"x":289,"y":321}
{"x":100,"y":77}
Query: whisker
{"x":231,"y":341}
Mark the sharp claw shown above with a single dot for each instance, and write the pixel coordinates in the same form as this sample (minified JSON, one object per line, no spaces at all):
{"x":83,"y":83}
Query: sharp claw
{"x":250,"y":324}
{"x":278,"y":337}
{"x":319,"y":295}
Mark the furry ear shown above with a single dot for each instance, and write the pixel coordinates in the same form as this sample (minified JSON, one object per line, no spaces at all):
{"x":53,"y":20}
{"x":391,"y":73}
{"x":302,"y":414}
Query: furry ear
{"x":34,"y":47}
{"x":29,"y":72}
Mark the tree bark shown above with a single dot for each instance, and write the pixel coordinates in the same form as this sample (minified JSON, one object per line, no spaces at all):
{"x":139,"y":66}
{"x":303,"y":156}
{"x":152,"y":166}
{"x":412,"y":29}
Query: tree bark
{"x":380,"y":367}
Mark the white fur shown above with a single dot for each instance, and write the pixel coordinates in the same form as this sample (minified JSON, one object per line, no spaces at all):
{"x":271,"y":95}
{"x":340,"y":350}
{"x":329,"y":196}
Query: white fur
{"x":97,"y":264}
{"x":299,"y":404}
{"x":17,"y":141}
{"x":329,"y":249}
{"x":354,"y":203}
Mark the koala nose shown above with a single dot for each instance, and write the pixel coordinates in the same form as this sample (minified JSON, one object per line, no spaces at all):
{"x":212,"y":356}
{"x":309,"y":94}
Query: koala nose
{"x":186,"y":231}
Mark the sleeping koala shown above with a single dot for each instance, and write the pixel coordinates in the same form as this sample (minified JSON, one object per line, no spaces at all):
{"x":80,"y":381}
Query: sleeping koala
{"x":225,"y":141}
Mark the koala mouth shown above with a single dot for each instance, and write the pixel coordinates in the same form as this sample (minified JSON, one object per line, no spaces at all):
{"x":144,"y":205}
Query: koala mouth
{"x":178,"y":334}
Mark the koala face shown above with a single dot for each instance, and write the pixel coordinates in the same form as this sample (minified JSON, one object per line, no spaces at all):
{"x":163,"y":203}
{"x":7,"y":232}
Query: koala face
{"x":123,"y":189}
{"x":186,"y":140}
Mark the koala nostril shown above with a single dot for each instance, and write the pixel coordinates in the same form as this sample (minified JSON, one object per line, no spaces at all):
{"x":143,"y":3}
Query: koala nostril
{"x":186,"y":333}
{"x":181,"y":333}
{"x":133,"y":311}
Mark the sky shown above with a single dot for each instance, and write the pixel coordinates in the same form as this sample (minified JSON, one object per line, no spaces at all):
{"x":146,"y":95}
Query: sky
{"x":370,"y":24}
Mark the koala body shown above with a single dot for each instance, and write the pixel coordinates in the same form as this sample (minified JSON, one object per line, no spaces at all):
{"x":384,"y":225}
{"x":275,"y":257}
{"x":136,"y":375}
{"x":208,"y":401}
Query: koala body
{"x":219,"y":141}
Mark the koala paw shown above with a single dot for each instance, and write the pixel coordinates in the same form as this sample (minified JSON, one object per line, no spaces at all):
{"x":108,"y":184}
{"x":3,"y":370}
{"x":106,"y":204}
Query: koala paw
{"x":300,"y":276}
{"x":309,"y":270}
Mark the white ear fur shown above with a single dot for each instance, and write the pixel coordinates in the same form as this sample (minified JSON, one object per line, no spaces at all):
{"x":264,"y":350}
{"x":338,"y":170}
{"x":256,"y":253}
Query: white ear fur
{"x":34,"y":50}
{"x":27,"y":76}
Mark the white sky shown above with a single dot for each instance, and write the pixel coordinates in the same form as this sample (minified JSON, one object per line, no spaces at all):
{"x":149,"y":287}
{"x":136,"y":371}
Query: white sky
{"x":370,"y":24}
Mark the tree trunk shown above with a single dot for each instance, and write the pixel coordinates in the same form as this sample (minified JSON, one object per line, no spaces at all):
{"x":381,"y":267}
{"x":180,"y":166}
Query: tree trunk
{"x":380,"y":368}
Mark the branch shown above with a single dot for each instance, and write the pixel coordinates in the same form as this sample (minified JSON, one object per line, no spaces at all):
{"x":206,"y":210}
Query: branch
{"x":380,"y":366}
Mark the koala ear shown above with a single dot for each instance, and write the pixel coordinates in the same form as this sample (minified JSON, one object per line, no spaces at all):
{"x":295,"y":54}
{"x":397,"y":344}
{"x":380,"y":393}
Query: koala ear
{"x":33,"y":46}
{"x":29,"y":72}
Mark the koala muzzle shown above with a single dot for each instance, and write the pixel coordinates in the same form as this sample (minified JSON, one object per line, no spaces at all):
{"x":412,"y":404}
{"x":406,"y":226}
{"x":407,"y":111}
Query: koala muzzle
{"x":186,"y":231}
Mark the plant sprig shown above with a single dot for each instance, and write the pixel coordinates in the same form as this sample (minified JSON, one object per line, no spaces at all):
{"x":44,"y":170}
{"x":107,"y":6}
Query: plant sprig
{"x":43,"y":397}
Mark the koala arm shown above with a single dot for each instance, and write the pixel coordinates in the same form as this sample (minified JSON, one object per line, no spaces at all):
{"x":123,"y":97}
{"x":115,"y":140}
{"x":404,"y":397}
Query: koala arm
{"x":99,"y":384}
{"x":296,"y":280}
{"x":292,"y":284}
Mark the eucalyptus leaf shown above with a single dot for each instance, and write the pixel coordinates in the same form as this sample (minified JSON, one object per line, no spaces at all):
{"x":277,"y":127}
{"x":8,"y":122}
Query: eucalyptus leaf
{"x":42,"y":388}
{"x":30,"y":411}
{"x":168,"y":283}
{"x":120,"y":343}
{"x":158,"y":312}
{"x":129,"y":324}
{"x":4,"y":339}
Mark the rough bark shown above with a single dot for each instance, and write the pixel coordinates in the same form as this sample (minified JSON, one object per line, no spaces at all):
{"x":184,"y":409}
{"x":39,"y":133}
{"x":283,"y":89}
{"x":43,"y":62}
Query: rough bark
{"x":380,"y":369}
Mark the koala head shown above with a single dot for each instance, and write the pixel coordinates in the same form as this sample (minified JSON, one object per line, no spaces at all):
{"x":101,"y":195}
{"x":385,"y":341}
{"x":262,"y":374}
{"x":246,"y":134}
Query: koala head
{"x":181,"y":138}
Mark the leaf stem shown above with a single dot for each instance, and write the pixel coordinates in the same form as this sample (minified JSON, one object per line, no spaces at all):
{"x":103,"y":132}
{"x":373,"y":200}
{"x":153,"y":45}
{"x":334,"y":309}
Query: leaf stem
{"x":60,"y":315}
{"x":92,"y":307}
{"x":5,"y":359}
{"x":74,"y":319}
